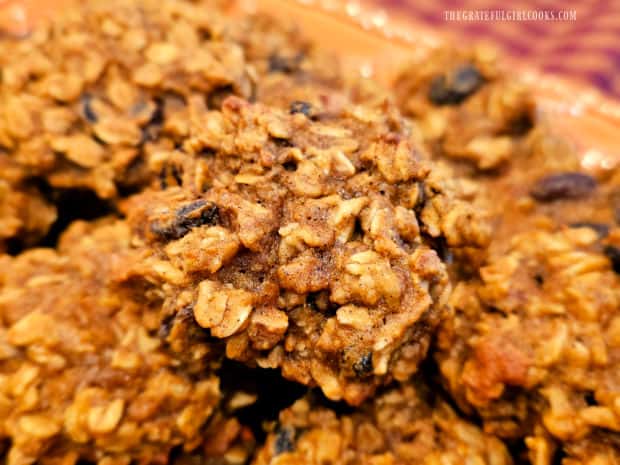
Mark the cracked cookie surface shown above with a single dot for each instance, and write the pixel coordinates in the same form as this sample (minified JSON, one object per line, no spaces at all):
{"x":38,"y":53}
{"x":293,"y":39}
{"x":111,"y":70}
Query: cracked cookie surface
{"x":307,"y":244}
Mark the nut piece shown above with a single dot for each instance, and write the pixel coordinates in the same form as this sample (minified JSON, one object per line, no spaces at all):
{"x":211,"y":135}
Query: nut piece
{"x":255,"y":222}
{"x":489,"y":151}
{"x":396,"y":162}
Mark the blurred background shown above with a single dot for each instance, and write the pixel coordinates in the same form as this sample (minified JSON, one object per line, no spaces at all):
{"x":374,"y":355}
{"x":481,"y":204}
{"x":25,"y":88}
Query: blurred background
{"x":581,"y":42}
{"x":578,"y":39}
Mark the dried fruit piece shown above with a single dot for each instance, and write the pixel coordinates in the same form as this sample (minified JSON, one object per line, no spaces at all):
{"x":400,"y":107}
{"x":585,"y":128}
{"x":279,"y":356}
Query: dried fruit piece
{"x":87,"y":109}
{"x":301,"y":107}
{"x":363,"y":366}
{"x":285,"y":64}
{"x":192,"y":215}
{"x":613,"y":253}
{"x":284,"y":441}
{"x":456,"y":86}
{"x":570,"y":185}
{"x":474,"y":111}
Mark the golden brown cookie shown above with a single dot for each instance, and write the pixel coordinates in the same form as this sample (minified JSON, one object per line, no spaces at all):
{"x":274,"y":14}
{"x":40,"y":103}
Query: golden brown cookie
{"x":307,"y":243}
{"x":83,"y":374}
{"x":535,"y":341}
{"x":87,"y":98}
{"x":401,"y":425}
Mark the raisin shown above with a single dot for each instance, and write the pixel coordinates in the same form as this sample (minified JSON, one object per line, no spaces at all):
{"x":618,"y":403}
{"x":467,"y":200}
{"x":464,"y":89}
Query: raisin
{"x":569,"y":185}
{"x":290,"y":165}
{"x":283,"y":143}
{"x":190,"y":207}
{"x":613,"y":253}
{"x":601,"y":228}
{"x":163,"y":178}
{"x":164,"y":232}
{"x":467,"y":79}
{"x":152,"y":129}
{"x":284,"y":442}
{"x":170,"y":175}
{"x":299,"y":106}
{"x":520,"y":125}
{"x":421,"y":200}
{"x":176,"y":174}
{"x":186,"y":314}
{"x":192,"y":215}
{"x":439,"y":93}
{"x":165,"y":327}
{"x":87,"y":109}
{"x":363,"y":366}
{"x":282,"y":64}
{"x":455,"y":87}
{"x":217,"y":96}
{"x":539,"y":278}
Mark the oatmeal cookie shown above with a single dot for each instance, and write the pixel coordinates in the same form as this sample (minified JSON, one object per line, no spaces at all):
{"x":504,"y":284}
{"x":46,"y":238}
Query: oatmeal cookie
{"x":307,"y":244}
{"x":83,"y":96}
{"x":467,"y":106}
{"x":554,"y":216}
{"x":400,"y":426}
{"x":83,"y":375}
{"x":85,"y":99}
{"x":534,"y":346}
